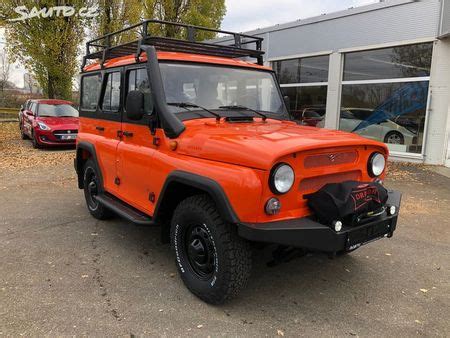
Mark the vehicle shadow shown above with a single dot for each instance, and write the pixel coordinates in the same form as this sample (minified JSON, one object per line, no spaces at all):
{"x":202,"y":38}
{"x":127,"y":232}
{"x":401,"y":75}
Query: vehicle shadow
{"x":303,"y":283}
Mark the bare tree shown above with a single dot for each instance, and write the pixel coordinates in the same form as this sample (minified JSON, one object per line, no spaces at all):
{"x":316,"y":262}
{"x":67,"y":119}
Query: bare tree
{"x":5,"y":68}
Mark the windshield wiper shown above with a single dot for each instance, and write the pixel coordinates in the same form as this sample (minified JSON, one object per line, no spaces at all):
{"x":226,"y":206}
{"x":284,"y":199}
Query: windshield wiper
{"x":187,"y":105}
{"x":264,"y":117}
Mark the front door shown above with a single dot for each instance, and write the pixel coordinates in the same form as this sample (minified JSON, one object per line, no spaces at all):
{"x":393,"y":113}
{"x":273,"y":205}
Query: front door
{"x":136,"y":150}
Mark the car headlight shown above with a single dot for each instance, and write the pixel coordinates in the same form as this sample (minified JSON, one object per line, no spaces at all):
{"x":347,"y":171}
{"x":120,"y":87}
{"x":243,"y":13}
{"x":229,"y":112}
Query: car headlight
{"x":43,"y":126}
{"x":376,"y":165}
{"x":281,"y":178}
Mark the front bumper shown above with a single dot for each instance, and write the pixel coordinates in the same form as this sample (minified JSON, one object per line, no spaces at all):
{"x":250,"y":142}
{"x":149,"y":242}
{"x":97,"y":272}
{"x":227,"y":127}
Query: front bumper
{"x":308,"y":234}
{"x":52,"y":138}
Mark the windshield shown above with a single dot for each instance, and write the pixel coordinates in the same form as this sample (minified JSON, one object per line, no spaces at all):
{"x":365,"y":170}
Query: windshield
{"x":213,"y":87}
{"x":58,"y":110}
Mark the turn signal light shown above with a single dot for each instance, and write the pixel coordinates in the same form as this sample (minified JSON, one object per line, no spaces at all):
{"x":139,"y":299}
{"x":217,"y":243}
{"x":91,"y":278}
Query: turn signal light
{"x":173,"y":145}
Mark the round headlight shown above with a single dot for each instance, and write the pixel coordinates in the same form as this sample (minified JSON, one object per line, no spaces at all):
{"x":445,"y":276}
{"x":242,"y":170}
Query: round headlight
{"x":281,"y":178}
{"x":376,"y":164}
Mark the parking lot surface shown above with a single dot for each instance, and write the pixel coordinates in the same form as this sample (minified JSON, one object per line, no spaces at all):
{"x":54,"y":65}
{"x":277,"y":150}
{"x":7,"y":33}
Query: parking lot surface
{"x":64,"y":273}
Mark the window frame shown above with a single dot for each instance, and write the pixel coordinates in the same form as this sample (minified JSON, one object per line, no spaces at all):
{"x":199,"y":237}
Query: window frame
{"x":105,"y":79}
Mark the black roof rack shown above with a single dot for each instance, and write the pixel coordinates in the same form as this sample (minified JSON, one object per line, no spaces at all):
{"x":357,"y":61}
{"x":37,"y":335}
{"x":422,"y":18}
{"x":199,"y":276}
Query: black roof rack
{"x":103,"y":48}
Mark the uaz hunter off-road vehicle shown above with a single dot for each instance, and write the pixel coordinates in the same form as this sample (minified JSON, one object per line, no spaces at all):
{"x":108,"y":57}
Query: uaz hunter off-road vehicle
{"x":194,"y":137}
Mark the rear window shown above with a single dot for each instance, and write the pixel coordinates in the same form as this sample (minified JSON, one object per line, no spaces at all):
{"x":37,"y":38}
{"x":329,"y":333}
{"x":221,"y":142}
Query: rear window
{"x":57,"y":110}
{"x":90,"y":91}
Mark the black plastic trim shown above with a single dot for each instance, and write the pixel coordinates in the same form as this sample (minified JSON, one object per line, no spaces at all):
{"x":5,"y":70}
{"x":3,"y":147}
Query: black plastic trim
{"x":124,"y":210}
{"x":205,"y":184}
{"x":78,"y":163}
{"x":172,"y":126}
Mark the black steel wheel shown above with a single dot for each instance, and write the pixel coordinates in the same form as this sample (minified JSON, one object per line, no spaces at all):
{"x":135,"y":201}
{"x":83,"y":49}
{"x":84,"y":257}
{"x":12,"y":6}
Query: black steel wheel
{"x":92,"y":187}
{"x":200,"y":251}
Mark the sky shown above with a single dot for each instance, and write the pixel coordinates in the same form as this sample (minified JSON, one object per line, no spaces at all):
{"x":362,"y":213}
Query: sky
{"x":245,"y":15}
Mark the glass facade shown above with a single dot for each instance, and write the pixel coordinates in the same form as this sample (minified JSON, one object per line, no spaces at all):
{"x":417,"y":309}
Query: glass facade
{"x":307,"y":104}
{"x":389,"y":63}
{"x":385,"y":95}
{"x":305,"y":82}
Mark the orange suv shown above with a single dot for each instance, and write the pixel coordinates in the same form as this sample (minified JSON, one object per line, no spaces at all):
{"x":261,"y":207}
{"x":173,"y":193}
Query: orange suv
{"x":195,"y":138}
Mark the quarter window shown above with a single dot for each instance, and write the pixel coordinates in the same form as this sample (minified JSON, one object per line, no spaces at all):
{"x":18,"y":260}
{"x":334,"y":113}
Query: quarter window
{"x":111,"y":98}
{"x":90,"y":91}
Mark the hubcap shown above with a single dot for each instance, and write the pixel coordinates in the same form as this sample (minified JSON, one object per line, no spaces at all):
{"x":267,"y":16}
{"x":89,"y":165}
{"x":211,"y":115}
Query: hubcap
{"x":200,"y":251}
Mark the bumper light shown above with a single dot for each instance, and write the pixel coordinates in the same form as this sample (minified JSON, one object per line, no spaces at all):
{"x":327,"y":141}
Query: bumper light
{"x":273,"y":206}
{"x":392,"y":209}
{"x":337,"y":226}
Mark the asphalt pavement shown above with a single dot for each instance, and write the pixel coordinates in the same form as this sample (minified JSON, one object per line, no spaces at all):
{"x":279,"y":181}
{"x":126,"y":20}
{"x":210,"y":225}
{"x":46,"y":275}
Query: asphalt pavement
{"x":64,"y":273}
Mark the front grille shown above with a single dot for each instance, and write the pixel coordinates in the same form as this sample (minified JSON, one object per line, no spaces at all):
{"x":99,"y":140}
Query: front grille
{"x":312,"y":184}
{"x":60,"y":133}
{"x":332,"y":158}
{"x":65,"y":132}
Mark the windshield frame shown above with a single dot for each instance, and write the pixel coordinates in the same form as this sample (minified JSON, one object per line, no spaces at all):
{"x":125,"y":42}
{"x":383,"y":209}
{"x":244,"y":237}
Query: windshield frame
{"x":195,"y":113}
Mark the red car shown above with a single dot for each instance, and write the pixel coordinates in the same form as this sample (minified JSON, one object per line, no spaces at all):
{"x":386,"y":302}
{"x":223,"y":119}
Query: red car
{"x":49,"y":122}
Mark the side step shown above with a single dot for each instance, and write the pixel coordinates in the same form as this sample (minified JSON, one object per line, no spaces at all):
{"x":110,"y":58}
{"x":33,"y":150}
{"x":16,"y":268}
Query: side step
{"x":124,"y":210}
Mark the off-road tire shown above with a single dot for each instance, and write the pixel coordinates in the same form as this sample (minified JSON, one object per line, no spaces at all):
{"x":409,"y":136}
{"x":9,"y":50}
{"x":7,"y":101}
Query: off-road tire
{"x":232,"y":255}
{"x":90,"y":175}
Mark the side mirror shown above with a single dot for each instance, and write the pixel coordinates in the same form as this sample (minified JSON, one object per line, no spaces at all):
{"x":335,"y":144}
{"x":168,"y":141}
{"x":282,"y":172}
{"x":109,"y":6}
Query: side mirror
{"x":138,"y":104}
{"x":29,"y":113}
{"x":287,"y":102}
{"x":21,"y":107}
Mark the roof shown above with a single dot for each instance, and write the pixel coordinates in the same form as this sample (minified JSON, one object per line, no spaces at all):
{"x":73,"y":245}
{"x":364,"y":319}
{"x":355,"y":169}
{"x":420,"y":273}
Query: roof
{"x":325,"y":17}
{"x":175,"y":56}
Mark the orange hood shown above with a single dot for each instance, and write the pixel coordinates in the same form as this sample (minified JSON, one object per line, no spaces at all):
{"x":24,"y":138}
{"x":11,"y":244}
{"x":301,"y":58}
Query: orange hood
{"x":258,"y":144}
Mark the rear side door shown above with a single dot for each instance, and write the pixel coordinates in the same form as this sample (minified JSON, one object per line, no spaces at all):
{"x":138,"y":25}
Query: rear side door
{"x":100,"y":120}
{"x":136,"y":150}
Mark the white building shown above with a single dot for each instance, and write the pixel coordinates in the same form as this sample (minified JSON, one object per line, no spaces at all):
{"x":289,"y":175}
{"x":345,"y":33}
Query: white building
{"x":381,"y":70}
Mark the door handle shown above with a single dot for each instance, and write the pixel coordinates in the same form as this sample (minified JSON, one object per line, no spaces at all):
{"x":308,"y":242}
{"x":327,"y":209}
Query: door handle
{"x":100,"y":128}
{"x":127,"y":133}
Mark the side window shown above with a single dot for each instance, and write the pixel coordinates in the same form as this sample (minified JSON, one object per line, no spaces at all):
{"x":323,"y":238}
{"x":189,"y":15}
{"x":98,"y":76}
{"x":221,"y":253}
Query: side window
{"x":137,"y":80}
{"x":111,"y":97}
{"x":90,"y":91}
{"x":33,"y":107}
